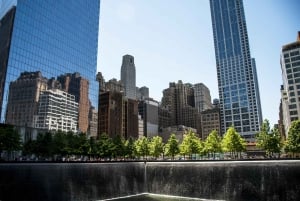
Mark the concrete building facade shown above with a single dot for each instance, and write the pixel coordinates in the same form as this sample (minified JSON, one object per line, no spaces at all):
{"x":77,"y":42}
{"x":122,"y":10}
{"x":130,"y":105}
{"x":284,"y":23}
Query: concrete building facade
{"x":179,"y":102}
{"x":79,"y":87}
{"x":202,"y":97}
{"x":57,"y":110}
{"x":290,"y":90}
{"x":23,"y":99}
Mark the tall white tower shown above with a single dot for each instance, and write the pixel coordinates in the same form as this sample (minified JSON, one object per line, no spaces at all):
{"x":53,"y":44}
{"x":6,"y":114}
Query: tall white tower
{"x":128,"y":76}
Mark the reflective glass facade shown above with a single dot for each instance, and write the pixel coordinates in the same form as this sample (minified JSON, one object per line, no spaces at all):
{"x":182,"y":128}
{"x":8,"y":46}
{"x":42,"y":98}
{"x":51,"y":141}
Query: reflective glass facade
{"x":237,"y":79}
{"x":56,"y":38}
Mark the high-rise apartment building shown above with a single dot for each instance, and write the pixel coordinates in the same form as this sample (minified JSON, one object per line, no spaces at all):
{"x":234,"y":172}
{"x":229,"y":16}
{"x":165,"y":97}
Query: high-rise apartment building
{"x":128,"y":78}
{"x":57,"y":110}
{"x":53,"y":38}
{"x":237,"y":80}
{"x":79,"y":87}
{"x":290,"y":91}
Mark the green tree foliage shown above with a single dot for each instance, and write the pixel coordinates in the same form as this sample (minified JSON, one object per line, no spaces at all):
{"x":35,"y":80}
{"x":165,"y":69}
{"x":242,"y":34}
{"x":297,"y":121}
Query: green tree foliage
{"x":92,"y":152}
{"x":29,"y":147}
{"x":275,"y":142}
{"x":190,"y":144}
{"x":129,"y":148}
{"x":212,"y":143}
{"x":105,"y":146}
{"x":262,"y":136}
{"x":293,"y":141}
{"x":156,"y":146}
{"x":44,"y":146}
{"x":118,"y":147}
{"x":172,"y":146}
{"x":233,"y":142}
{"x":142,"y":147}
{"x":60,"y":143}
{"x":269,"y":140}
{"x":10,"y":140}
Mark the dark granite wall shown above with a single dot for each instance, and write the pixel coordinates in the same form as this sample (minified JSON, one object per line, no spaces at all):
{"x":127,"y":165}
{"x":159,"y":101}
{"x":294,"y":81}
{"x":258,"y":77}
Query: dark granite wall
{"x":232,"y":181}
{"x":70,"y":181}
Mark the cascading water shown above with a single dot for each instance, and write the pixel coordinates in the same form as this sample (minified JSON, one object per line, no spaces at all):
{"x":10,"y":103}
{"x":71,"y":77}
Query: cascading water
{"x":223,"y":180}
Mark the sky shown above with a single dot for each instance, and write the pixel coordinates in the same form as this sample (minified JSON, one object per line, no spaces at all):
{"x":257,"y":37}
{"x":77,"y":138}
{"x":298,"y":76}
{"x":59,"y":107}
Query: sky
{"x":172,"y":40}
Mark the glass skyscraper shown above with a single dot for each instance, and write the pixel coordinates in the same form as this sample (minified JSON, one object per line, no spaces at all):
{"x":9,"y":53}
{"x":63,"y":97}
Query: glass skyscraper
{"x":55,"y":38}
{"x":237,"y":80}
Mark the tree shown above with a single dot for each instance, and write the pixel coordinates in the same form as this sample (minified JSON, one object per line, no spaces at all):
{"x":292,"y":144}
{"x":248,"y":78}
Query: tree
{"x":10,"y":140}
{"x":269,"y":140}
{"x":118,"y":146}
{"x":129,"y":148}
{"x":156,"y":146}
{"x":142,"y":147}
{"x":263,"y":135}
{"x":92,"y":147}
{"x":233,"y":142}
{"x":275,"y":143}
{"x":60,"y":143}
{"x":44,"y":145}
{"x":82,"y":144}
{"x":190,"y":144}
{"x":29,"y":147}
{"x":212,"y":143}
{"x":172,"y":146}
{"x":293,"y":141}
{"x":105,"y":146}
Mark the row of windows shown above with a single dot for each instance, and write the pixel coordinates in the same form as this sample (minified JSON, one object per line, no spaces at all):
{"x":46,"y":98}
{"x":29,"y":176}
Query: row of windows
{"x":294,"y":53}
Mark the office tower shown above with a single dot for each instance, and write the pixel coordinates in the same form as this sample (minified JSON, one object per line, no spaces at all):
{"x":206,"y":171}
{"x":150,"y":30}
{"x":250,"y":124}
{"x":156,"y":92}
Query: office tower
{"x":210,"y":120}
{"x":131,"y":119}
{"x":53,"y":38}
{"x":236,"y":71}
{"x":179,"y":100}
{"x":111,"y":114}
{"x":23,"y":99}
{"x":142,"y":93}
{"x":202,"y":97}
{"x":57,"y":110}
{"x":290,"y":91}
{"x":128,"y":76}
{"x":148,"y":110}
{"x":117,"y":115}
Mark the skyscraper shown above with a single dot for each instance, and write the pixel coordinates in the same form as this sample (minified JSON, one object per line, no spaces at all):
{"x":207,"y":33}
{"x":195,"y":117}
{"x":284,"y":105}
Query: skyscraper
{"x":128,"y":76}
{"x":290,"y":90}
{"x":237,"y":80}
{"x":202,"y":97}
{"x":53,"y":38}
{"x":179,"y":103}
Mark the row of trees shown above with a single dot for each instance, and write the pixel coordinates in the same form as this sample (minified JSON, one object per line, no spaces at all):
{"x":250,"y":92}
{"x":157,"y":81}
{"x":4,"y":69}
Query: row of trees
{"x":271,"y":141}
{"x":63,"y":144}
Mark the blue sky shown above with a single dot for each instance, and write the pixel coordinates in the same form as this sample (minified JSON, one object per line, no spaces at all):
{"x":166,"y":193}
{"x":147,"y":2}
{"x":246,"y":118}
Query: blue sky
{"x":172,"y":40}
